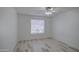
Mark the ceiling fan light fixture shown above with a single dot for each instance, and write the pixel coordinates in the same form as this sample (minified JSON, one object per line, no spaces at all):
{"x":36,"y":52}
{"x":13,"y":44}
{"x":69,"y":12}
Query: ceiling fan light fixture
{"x":48,"y":13}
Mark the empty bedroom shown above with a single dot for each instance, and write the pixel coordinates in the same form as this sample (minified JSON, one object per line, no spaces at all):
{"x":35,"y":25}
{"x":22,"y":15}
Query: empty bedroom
{"x":39,"y":29}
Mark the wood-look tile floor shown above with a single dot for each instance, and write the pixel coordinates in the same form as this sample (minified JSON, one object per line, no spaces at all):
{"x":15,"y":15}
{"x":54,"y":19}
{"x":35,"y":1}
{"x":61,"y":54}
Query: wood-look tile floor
{"x":42,"y":45}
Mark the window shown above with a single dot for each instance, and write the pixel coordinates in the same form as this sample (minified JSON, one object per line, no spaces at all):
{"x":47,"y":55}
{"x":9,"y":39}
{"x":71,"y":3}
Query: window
{"x":37,"y":26}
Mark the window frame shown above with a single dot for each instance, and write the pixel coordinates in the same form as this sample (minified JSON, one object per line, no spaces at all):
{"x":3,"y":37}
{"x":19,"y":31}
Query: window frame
{"x":42,"y":22}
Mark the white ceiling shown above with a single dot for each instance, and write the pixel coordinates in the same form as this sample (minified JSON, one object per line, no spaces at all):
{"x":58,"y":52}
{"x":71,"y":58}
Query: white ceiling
{"x":40,"y":11}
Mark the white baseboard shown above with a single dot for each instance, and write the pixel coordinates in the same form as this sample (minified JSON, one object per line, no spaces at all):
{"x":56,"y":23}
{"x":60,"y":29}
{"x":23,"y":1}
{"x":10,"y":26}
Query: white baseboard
{"x":4,"y":50}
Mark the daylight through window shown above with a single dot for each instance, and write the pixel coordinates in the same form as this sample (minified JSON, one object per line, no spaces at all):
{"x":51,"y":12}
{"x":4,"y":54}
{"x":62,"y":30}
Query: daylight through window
{"x":37,"y":26}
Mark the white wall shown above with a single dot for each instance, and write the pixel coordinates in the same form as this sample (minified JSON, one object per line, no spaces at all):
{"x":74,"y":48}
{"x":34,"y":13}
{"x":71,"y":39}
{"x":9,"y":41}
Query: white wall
{"x":25,"y":27}
{"x":66,"y":27}
{"x":8,"y":29}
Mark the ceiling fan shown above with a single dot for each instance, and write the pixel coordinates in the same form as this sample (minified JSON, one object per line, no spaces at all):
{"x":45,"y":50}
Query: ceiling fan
{"x":49,"y":10}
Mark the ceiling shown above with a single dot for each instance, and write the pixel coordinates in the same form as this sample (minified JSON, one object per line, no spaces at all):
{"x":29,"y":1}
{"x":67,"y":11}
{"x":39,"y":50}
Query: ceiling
{"x":40,"y":11}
